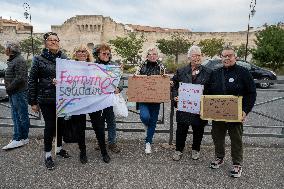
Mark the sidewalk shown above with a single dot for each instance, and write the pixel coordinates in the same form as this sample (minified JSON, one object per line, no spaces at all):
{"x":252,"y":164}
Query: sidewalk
{"x":131,"y":168}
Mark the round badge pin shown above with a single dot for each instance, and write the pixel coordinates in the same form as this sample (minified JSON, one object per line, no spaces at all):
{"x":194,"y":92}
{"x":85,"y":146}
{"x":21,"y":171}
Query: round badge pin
{"x":231,"y":80}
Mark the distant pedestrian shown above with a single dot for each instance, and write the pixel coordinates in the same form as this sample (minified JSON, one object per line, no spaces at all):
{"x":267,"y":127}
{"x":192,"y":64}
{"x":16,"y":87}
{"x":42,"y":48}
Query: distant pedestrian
{"x":16,"y":84}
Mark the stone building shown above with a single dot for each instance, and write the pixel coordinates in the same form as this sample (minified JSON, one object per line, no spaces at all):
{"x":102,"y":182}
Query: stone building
{"x":95,"y":29}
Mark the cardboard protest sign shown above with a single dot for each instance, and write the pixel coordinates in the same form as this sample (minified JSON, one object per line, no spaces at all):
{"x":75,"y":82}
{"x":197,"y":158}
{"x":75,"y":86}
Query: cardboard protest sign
{"x":84,"y":87}
{"x":221,"y":108}
{"x":142,"y":88}
{"x":189,"y":97}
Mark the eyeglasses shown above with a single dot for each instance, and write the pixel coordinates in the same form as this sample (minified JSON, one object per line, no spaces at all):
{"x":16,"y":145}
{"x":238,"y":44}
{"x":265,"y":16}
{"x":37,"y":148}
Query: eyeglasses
{"x":195,"y":55}
{"x":81,"y":51}
{"x":228,"y":55}
{"x":105,"y":54}
{"x":154,"y":54}
{"x":53,"y":40}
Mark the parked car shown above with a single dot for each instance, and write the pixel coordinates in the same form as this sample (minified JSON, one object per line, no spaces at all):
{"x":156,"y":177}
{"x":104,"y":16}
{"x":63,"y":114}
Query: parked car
{"x":257,"y":73}
{"x":3,"y":93}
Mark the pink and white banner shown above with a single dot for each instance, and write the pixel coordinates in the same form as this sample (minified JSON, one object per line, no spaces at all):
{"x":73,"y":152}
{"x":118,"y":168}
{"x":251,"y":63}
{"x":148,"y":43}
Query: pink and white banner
{"x":84,"y":87}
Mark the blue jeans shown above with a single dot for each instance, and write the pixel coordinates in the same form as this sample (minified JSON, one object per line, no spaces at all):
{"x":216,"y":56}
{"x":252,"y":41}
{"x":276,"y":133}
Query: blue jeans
{"x":111,"y":124}
{"x":149,"y":113}
{"x":20,"y":115}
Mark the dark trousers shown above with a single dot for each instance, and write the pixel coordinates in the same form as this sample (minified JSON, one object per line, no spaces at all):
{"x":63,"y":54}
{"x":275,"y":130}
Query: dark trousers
{"x":49,"y":115}
{"x":181,"y":134}
{"x":235,"y":131}
{"x":80,"y":122}
{"x":98,"y":124}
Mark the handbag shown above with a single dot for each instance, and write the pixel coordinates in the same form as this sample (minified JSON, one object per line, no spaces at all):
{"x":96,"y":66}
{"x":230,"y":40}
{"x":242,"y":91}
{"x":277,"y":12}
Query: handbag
{"x":119,"y":107}
{"x":69,"y":132}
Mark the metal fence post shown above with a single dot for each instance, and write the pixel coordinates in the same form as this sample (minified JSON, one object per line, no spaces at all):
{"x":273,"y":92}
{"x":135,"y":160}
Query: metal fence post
{"x":171,"y":123}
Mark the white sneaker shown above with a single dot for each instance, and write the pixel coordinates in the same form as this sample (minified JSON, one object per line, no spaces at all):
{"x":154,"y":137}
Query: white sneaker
{"x":195,"y":154}
{"x":177,"y":155}
{"x":25,"y":141}
{"x":13,"y":144}
{"x":148,"y":148}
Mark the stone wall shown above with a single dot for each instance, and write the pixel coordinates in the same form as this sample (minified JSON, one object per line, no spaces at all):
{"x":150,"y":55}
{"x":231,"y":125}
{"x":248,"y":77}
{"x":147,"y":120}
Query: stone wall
{"x":95,"y":29}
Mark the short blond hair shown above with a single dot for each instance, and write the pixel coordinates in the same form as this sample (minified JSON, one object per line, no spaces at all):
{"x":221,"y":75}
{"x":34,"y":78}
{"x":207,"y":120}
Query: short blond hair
{"x":82,"y":47}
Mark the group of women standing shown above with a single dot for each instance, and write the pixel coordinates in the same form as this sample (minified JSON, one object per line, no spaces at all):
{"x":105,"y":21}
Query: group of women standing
{"x":42,"y":95}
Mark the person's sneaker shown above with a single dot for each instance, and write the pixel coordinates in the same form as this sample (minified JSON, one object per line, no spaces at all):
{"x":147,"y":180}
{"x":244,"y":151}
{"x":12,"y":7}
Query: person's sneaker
{"x":236,"y":171}
{"x":83,"y":158}
{"x":13,"y":144}
{"x":63,"y":153}
{"x":148,"y":148}
{"x":106,"y":158}
{"x":177,"y":155}
{"x":195,"y":154}
{"x":49,"y":163}
{"x":217,"y":163}
{"x":25,"y":141}
{"x":114,"y":148}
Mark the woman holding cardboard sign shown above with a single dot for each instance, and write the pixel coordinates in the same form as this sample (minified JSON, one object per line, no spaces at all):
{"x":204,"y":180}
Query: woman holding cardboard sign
{"x":149,"y":112}
{"x":193,"y":73}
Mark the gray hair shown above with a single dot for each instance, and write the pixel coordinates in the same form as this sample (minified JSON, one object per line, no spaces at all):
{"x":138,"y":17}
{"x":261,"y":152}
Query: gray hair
{"x":13,"y":46}
{"x":193,"y":49}
{"x":152,"y":49}
{"x":229,"y":48}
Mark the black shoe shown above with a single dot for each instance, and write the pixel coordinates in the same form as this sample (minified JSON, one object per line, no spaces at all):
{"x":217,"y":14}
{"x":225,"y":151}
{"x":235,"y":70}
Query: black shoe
{"x":49,"y":163}
{"x":106,"y":158}
{"x":83,"y":158}
{"x":63,"y":153}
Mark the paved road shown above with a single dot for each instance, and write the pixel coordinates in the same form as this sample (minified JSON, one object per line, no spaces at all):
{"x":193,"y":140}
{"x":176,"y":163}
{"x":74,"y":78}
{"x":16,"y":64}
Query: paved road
{"x":24,"y":168}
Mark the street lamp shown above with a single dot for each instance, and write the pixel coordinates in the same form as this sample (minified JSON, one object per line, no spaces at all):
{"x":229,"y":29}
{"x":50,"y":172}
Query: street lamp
{"x":251,"y":14}
{"x":28,"y":15}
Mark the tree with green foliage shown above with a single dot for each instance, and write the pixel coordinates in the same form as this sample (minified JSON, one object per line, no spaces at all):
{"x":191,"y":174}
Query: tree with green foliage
{"x":241,"y":51}
{"x":129,"y":47}
{"x":211,"y":47}
{"x":26,"y":46}
{"x":175,"y":46}
{"x":270,"y":47}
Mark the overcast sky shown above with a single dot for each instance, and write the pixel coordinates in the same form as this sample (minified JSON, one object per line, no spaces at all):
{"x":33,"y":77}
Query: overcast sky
{"x":196,"y":15}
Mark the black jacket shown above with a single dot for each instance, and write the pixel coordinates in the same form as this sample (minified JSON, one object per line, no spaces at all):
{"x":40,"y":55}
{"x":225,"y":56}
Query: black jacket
{"x":235,"y":80}
{"x":16,"y":75}
{"x":43,"y":71}
{"x":151,"y":68}
{"x":184,"y":75}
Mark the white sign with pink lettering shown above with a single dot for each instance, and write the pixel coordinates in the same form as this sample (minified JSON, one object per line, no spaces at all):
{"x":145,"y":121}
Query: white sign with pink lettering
{"x":84,"y":87}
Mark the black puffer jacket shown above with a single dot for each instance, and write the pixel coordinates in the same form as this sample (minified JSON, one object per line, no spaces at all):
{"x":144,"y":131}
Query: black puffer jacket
{"x":16,"y":75}
{"x":43,"y":71}
{"x":184,"y":75}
